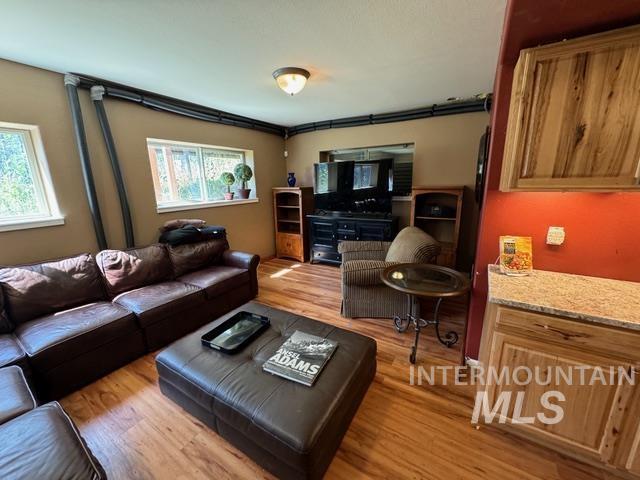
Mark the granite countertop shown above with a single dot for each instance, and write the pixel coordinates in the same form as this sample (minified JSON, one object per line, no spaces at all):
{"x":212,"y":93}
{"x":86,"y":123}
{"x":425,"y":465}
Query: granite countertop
{"x":591,"y":299}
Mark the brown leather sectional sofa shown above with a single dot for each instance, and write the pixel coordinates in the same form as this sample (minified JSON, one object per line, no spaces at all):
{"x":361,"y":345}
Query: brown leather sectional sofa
{"x":39,"y":442}
{"x":70,"y":321}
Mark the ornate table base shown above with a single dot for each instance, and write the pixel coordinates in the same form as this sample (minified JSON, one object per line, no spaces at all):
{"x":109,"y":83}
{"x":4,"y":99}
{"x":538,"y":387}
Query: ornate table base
{"x":414,"y":318}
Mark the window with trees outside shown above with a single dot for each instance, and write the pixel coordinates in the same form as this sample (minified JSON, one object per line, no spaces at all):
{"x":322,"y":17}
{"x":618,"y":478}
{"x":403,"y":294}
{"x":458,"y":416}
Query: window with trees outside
{"x":187,"y":175}
{"x":365,"y":175}
{"x":27,"y":199}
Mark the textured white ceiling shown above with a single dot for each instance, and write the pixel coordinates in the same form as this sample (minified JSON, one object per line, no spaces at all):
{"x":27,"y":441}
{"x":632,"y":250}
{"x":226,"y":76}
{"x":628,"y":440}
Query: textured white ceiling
{"x":365,"y":56}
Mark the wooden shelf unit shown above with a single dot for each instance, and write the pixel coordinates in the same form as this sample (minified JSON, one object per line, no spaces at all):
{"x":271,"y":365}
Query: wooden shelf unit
{"x":291,"y":205}
{"x":445,"y":229}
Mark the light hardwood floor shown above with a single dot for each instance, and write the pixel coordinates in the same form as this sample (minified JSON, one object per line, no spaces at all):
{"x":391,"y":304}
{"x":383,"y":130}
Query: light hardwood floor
{"x":400,"y":431}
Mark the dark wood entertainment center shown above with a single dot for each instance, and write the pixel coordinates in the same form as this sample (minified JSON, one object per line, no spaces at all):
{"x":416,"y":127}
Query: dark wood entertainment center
{"x":327,"y":230}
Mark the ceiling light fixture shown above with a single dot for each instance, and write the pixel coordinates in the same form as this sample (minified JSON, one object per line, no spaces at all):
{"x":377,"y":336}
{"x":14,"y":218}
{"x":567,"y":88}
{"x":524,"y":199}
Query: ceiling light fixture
{"x":291,"y":79}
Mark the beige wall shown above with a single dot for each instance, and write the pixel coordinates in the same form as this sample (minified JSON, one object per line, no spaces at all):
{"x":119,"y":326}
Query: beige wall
{"x":35,"y":96}
{"x":446,"y":148}
{"x":446,"y":153}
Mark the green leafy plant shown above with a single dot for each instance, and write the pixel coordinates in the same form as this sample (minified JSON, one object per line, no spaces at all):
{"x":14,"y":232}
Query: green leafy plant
{"x":244,"y":173}
{"x":228,"y":179}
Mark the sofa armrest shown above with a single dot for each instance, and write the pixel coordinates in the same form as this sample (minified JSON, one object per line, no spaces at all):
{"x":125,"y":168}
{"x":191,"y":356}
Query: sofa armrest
{"x":233,"y":258}
{"x":364,"y":250}
{"x":249,"y":261}
{"x":15,"y":395}
{"x":363,"y":272}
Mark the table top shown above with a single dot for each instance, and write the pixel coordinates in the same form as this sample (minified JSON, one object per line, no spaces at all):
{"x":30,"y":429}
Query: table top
{"x":425,"y":280}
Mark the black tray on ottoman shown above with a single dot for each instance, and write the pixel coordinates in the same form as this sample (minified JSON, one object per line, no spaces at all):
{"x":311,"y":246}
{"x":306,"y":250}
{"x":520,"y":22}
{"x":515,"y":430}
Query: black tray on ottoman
{"x":289,"y":429}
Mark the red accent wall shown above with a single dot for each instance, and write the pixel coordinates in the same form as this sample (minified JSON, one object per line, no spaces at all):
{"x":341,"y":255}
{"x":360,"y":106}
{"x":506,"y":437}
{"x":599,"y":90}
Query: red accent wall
{"x":602,"y":229}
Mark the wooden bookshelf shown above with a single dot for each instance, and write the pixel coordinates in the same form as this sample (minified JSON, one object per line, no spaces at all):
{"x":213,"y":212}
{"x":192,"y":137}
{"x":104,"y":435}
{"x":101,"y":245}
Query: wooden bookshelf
{"x":445,"y":226}
{"x":291,"y":205}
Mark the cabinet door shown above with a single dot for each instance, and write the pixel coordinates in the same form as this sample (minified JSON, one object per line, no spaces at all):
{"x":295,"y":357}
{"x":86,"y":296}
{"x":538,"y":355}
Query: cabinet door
{"x":574,"y":119}
{"x":627,"y":455}
{"x":372,"y":231}
{"x":632,"y":463}
{"x":289,"y":245}
{"x":593,"y":413}
{"x":323,"y":233}
{"x":447,"y":257}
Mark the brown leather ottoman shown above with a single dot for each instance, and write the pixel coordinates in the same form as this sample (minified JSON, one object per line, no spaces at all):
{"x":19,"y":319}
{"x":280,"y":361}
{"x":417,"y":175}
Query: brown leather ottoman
{"x":291,"y":430}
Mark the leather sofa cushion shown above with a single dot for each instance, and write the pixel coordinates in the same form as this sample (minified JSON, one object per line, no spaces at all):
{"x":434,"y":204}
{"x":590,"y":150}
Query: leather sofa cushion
{"x":31,"y":291}
{"x":44,"y":443}
{"x":10,"y":351}
{"x":15,"y":396}
{"x":217,"y":280}
{"x":156,"y":302}
{"x":194,"y":256}
{"x":287,"y":419}
{"x":55,"y":339}
{"x":134,"y":268}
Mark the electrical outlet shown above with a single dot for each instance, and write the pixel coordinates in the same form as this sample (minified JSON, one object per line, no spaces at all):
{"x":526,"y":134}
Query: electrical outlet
{"x":555,"y":236}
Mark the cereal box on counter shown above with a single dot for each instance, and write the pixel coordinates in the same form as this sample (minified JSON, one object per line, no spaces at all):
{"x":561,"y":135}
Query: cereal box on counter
{"x":516,"y":256}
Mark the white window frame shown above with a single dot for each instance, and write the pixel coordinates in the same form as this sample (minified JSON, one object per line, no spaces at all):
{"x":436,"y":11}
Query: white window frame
{"x":42,"y":182}
{"x":177,"y":206}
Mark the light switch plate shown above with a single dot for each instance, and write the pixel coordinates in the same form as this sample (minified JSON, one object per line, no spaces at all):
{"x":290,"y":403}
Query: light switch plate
{"x":555,"y":236}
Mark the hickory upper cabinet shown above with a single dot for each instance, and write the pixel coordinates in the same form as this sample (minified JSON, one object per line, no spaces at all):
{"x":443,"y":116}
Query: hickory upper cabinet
{"x":574,"y":118}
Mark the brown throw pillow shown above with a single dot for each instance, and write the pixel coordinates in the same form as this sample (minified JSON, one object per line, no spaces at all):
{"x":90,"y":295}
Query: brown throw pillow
{"x":134,"y":268}
{"x":5,"y":324}
{"x":194,"y":256}
{"x":38,"y":289}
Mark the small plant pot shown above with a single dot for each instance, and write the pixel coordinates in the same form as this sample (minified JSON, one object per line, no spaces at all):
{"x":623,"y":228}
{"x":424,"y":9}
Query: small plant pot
{"x":243,"y":192}
{"x":228,"y":196}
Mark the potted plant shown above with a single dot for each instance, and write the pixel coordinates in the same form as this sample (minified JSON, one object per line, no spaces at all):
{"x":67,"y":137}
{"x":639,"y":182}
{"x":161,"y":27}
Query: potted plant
{"x":243,"y":173}
{"x":228,"y":179}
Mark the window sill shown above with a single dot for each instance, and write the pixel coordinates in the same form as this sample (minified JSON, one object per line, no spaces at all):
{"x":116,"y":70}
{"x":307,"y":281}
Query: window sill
{"x":31,"y":223}
{"x":200,"y":206}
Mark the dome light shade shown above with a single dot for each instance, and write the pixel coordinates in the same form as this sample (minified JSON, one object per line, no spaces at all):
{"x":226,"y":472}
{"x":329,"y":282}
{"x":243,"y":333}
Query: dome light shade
{"x":291,"y":79}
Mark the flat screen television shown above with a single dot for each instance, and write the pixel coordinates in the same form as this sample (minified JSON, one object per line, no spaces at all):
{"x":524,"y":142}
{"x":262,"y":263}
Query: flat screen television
{"x":354,"y":187}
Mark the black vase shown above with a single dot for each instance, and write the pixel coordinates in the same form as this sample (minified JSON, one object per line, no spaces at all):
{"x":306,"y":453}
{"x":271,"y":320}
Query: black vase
{"x":291,"y":180}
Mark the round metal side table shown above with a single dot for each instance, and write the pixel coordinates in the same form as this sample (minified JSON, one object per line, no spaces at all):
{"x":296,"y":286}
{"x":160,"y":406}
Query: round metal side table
{"x":423,"y":280}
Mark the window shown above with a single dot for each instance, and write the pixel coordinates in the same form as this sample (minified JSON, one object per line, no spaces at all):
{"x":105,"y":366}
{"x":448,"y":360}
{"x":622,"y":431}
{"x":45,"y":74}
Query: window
{"x":365,"y":175}
{"x":326,"y":177}
{"x":27,"y":199}
{"x":400,"y":180}
{"x":187,"y":176}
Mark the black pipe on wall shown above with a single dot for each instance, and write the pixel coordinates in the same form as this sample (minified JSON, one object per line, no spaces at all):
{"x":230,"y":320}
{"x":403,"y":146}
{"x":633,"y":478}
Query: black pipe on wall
{"x":163,"y":103}
{"x":97,"y":94}
{"x":435,"y":110}
{"x":71,"y":85}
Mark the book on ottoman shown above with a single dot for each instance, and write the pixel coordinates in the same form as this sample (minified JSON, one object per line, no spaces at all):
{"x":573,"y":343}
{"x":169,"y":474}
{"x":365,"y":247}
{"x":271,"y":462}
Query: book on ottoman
{"x":301,"y":358}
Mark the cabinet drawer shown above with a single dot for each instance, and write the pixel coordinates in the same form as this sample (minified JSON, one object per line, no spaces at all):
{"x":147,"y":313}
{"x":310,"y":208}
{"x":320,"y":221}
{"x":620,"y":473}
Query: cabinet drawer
{"x":289,"y":245}
{"x":373,"y":232}
{"x":342,"y":235}
{"x":342,"y":225}
{"x":326,"y":256}
{"x":570,"y":333}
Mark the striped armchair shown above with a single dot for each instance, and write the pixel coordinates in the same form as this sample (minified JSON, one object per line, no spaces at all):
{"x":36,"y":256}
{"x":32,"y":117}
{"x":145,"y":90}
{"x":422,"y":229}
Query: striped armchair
{"x":363,"y":293}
